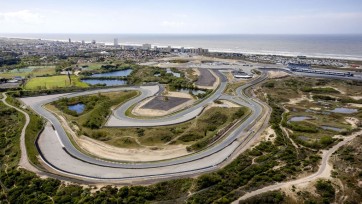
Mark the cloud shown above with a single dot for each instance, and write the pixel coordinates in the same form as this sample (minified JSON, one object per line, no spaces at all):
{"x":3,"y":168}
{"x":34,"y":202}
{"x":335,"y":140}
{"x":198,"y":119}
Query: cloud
{"x":23,"y":16}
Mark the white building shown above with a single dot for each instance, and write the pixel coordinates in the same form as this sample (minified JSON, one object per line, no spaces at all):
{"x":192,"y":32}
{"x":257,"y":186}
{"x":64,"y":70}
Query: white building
{"x":115,"y":42}
{"x":146,"y":46}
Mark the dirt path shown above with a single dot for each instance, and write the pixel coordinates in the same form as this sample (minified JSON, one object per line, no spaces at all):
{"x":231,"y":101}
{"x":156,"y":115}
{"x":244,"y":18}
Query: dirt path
{"x":324,"y":171}
{"x":24,"y":162}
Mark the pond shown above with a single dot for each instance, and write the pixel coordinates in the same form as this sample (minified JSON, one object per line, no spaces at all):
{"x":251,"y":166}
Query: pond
{"x":79,"y":108}
{"x":122,"y":73}
{"x":169,"y":71}
{"x":344,"y":110}
{"x":193,"y":91}
{"x":107,"y":82}
{"x":326,"y":127}
{"x":299,"y":118}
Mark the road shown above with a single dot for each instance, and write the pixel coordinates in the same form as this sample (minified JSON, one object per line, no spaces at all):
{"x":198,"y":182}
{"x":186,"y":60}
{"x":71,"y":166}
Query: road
{"x":58,"y":152}
{"x":121,"y":120}
{"x":24,"y":162}
{"x":322,"y":171}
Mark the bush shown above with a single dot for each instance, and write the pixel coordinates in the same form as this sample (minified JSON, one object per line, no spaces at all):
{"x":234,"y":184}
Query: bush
{"x":269,"y":84}
{"x":319,"y":90}
{"x":326,"y":140}
{"x":207,"y":180}
{"x":302,"y":127}
{"x":238,"y":114}
{"x":323,"y":97}
{"x":325,"y":189}
{"x":189,"y":137}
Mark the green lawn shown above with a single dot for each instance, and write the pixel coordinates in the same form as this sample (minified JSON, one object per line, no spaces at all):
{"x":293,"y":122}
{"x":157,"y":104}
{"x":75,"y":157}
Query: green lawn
{"x":43,"y":70}
{"x":32,"y":71}
{"x":53,"y":82}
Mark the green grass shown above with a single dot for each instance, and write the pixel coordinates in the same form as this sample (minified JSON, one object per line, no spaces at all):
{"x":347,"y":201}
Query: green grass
{"x":41,"y":71}
{"x":12,"y":123}
{"x":53,"y":82}
{"x":29,"y":71}
{"x":32,"y":131}
{"x":9,"y":75}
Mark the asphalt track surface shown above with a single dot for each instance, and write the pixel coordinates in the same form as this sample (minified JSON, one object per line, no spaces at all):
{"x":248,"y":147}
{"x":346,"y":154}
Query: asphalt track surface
{"x":59,"y":153}
{"x":119,"y":118}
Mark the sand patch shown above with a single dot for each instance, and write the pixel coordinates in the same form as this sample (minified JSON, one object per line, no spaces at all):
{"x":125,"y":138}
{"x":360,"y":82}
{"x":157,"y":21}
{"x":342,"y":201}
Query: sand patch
{"x":277,"y":74}
{"x":294,"y":101}
{"x":267,"y":135}
{"x":196,"y":71}
{"x":353,"y":121}
{"x":354,"y":105}
{"x":224,"y":104}
{"x":179,"y":94}
{"x":103,"y":150}
{"x":356,"y":97}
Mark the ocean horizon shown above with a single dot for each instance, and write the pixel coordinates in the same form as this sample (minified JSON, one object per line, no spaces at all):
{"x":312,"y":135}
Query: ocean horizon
{"x":318,"y":46}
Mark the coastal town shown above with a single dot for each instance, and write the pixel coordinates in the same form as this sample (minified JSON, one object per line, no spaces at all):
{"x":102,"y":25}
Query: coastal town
{"x":19,"y":54}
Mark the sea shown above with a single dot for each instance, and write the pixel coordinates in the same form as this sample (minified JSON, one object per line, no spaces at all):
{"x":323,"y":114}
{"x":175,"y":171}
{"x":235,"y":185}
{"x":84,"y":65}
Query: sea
{"x":320,"y":46}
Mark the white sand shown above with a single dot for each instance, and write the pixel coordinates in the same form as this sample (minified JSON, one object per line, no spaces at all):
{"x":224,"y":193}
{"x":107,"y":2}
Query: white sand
{"x":277,"y":74}
{"x":355,"y":105}
{"x":294,"y":101}
{"x":103,"y":150}
{"x":353,"y":121}
{"x":356,"y":97}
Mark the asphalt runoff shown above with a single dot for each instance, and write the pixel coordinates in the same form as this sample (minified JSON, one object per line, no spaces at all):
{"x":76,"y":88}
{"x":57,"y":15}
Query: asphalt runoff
{"x":205,"y":78}
{"x":165,"y":103}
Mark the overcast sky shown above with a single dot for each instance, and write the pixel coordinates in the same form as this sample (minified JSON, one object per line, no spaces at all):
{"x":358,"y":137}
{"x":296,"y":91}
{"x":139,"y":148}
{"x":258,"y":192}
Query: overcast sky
{"x":182,"y":16}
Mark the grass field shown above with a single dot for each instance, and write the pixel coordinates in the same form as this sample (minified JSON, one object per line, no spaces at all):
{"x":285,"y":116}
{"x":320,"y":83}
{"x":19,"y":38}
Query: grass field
{"x":53,"y":82}
{"x":29,"y":71}
{"x":45,"y":70}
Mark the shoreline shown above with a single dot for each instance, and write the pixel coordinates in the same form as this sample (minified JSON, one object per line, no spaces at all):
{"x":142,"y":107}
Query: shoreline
{"x":215,"y":50}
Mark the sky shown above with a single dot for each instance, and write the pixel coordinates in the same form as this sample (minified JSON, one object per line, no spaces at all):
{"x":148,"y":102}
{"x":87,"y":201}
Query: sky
{"x":182,"y":16}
